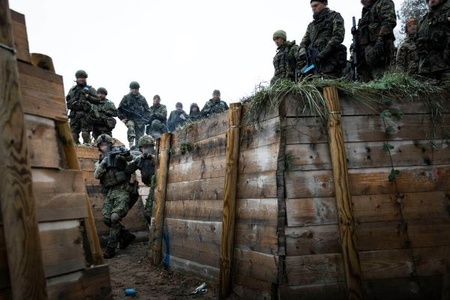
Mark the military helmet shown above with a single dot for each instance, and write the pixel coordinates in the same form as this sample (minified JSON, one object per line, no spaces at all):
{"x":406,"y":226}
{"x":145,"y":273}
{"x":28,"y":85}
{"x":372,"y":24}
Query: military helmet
{"x":103,"y":138}
{"x":216,"y":93}
{"x":102,"y":90}
{"x":280,"y":34}
{"x":134,"y":85}
{"x":146,"y":140}
{"x":81,"y":74}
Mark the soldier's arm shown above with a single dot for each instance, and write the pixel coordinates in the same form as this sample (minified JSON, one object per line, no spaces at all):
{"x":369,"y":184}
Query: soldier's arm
{"x":92,"y":96}
{"x":388,"y":18}
{"x":162,"y":114}
{"x":99,"y":169}
{"x":206,"y":110}
{"x":122,"y":116}
{"x":306,"y":41}
{"x":400,"y":59}
{"x":337,"y":36}
{"x":226,"y":105}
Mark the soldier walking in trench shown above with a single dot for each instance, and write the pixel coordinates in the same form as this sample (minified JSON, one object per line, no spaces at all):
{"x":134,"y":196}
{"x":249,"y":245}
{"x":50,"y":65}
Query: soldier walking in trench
{"x":322,"y":42}
{"x":80,"y":100}
{"x":118,"y":183}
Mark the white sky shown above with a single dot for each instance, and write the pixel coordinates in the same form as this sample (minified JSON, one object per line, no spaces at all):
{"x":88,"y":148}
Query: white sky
{"x":179,"y":49}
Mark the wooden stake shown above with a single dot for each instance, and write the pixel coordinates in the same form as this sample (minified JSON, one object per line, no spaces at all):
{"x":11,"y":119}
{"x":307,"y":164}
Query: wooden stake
{"x":352,"y":264}
{"x":160,"y":198}
{"x":66,"y":138}
{"x":17,"y":202}
{"x":229,"y":203}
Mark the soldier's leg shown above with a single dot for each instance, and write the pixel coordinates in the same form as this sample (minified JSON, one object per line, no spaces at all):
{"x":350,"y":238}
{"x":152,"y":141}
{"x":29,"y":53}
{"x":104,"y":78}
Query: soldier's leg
{"x":96,"y":133}
{"x":131,"y":133}
{"x":121,"y":207}
{"x":75,"y":128}
{"x":148,"y":208}
{"x":140,"y":131}
{"x":86,"y":129}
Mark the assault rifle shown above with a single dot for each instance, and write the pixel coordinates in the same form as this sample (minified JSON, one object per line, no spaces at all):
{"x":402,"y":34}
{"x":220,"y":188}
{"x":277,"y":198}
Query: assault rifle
{"x":110,"y":156}
{"x":355,"y":61}
{"x":309,"y":58}
{"x":133,"y":114}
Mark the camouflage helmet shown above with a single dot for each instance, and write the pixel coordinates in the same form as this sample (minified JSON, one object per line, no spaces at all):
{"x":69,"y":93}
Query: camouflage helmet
{"x":103,"y":138}
{"x":146,"y":140}
{"x":134,"y":85}
{"x":81,"y":74}
{"x":102,"y":90}
{"x":280,"y":34}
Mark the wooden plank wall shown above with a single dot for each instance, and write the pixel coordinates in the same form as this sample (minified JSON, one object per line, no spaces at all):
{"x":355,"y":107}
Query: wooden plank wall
{"x":402,"y":227}
{"x":59,"y":193}
{"x":134,"y":220}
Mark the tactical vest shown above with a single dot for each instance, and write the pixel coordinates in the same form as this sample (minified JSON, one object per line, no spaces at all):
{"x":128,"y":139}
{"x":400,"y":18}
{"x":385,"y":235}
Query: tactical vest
{"x":117,"y":175}
{"x":369,"y":25}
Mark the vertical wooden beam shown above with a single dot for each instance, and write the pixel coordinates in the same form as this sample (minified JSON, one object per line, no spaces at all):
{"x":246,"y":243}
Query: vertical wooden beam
{"x":352,"y":264}
{"x":160,"y":198}
{"x":229,"y":203}
{"x":17,"y":202}
{"x":66,"y":138}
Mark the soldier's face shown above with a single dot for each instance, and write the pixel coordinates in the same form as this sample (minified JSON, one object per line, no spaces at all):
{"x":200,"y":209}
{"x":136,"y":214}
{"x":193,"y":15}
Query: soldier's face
{"x":81,"y":81}
{"x":156,"y":101}
{"x":279,"y":41}
{"x":148,"y":149}
{"x":434,"y":3}
{"x":104,"y":147}
{"x":134,"y":91}
{"x":216,"y":97}
{"x":194,"y":108}
{"x":411,"y":28}
{"x":365,"y":2}
{"x":317,"y":7}
{"x":101,"y":96}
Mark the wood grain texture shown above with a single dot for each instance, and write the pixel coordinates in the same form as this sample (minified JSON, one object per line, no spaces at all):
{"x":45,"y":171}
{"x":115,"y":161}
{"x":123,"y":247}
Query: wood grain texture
{"x":229,"y":203}
{"x":343,"y":195}
{"x":16,"y":197}
{"x":20,"y":36}
{"x":160,"y":199}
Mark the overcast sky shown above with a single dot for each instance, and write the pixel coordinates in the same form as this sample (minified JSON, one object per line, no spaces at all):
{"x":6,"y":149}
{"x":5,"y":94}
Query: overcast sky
{"x":181,"y":50}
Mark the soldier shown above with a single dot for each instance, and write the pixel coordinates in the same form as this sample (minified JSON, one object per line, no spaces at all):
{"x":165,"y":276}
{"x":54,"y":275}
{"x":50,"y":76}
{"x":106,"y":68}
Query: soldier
{"x":118,"y":183}
{"x":407,"y":59}
{"x":102,"y":115}
{"x":177,"y":117}
{"x":194,"y":113}
{"x":433,"y":41}
{"x":146,"y":162}
{"x":285,"y":60}
{"x":134,"y":112}
{"x":322,"y":42}
{"x":214,"y":105}
{"x":158,"y":118}
{"x":376,"y":38}
{"x":80,"y":99}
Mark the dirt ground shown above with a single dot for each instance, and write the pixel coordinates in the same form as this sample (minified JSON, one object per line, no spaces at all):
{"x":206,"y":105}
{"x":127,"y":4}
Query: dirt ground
{"x":131,"y":269}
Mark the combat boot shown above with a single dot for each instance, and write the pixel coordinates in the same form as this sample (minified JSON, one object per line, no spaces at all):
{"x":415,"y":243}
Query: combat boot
{"x":126,"y":238}
{"x":109,"y":253}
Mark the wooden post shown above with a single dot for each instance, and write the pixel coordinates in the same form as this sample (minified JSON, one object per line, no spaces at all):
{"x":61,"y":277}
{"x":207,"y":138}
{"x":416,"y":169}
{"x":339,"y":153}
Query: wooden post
{"x":352,"y":264}
{"x":160,"y":198}
{"x":23,"y":247}
{"x":66,"y":138}
{"x":229,"y":203}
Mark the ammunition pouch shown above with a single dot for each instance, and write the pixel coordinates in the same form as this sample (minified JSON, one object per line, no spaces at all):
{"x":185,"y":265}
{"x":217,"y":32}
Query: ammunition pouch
{"x":113,"y":178}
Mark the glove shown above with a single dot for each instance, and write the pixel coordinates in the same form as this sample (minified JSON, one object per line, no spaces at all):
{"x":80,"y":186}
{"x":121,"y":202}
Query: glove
{"x":85,"y":90}
{"x":115,"y":217}
{"x":302,"y":54}
{"x":146,"y":156}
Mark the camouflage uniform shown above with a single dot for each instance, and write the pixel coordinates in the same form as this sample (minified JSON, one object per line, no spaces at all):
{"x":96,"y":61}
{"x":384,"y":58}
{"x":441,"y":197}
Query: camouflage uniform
{"x":285,"y":62}
{"x":407,"y":59}
{"x":376,"y":38}
{"x":135,"y":109}
{"x":433,"y":43}
{"x":158,"y":121}
{"x":214,"y":107}
{"x":175,"y":120}
{"x":105,"y":122}
{"x":80,"y":100}
{"x":118,"y":184}
{"x":323,"y":41}
{"x":195,"y":115}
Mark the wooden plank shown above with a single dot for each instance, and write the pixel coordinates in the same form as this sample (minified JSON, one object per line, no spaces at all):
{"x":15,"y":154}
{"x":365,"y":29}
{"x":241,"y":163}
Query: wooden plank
{"x":313,"y":240}
{"x":257,"y":211}
{"x":430,"y":261}
{"x":256,"y":265}
{"x":208,"y":232}
{"x":19,"y":29}
{"x":311,"y":211}
{"x":206,"y":189}
{"x":42,"y":92}
{"x":64,"y":206}
{"x":62,"y":248}
{"x":41,"y":138}
{"x":259,"y":160}
{"x":257,"y":185}
{"x":211,"y":167}
{"x":429,"y":233}
{"x":335,"y":291}
{"x":246,"y":287}
{"x":196,"y":269}
{"x":370,"y":181}
{"x":256,"y":237}
{"x":262,"y":134}
{"x":87,"y":152}
{"x":200,"y":210}
{"x":314,"y":269}
{"x":91,"y":283}
{"x":203,"y":253}
{"x":381,"y":236}
{"x":316,"y":156}
{"x":17,"y":202}
{"x":211,"y":147}
{"x":307,"y":130}
{"x":386,"y":264}
{"x":204,"y":129}
{"x":48,"y":183}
